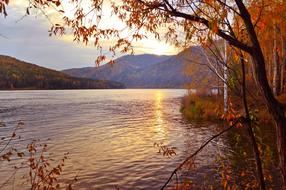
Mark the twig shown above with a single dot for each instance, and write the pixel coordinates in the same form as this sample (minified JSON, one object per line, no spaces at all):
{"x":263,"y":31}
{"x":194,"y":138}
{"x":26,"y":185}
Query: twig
{"x":239,"y":120}
{"x":10,"y":139}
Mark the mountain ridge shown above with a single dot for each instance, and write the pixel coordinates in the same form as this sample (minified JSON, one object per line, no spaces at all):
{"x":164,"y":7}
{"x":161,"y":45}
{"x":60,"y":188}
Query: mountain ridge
{"x":135,"y":71}
{"x":17,"y":74}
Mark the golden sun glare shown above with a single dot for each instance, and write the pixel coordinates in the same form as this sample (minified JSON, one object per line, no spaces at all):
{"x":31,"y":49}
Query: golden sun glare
{"x":154,"y":46}
{"x":161,"y":48}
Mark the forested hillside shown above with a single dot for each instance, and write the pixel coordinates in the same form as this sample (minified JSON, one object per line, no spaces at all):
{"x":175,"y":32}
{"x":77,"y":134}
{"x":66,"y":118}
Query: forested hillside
{"x":16,"y":74}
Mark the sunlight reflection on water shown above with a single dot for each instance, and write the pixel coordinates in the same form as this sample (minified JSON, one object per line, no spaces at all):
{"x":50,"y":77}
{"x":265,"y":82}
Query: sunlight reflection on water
{"x":159,"y":125}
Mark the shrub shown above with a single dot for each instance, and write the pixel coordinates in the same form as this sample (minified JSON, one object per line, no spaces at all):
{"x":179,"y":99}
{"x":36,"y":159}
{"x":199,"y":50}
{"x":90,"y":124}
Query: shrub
{"x":197,"y":108}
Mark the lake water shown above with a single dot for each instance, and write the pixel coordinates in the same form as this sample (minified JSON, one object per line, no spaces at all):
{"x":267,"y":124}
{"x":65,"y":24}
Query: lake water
{"x":109,"y":134}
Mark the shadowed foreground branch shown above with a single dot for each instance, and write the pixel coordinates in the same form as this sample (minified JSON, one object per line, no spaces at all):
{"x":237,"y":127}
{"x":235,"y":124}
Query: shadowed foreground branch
{"x":238,"y":120}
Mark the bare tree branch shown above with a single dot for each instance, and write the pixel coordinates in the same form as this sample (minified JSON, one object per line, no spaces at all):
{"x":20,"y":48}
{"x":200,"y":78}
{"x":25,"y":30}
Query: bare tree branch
{"x":239,"y":120}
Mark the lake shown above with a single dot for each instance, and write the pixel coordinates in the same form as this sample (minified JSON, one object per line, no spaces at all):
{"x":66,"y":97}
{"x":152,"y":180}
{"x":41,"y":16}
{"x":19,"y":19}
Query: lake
{"x":109,"y":134}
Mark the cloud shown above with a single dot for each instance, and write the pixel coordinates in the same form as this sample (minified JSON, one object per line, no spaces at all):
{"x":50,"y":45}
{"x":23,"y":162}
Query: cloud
{"x":27,"y":39}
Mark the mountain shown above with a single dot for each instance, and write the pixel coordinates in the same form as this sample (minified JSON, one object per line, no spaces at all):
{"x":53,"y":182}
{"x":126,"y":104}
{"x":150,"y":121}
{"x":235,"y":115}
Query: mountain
{"x":125,"y":69}
{"x":16,"y":74}
{"x":144,"y":71}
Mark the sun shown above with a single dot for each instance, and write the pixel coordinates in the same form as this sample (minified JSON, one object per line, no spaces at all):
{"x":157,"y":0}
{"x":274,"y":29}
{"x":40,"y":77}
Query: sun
{"x":154,"y":46}
{"x":161,"y":48}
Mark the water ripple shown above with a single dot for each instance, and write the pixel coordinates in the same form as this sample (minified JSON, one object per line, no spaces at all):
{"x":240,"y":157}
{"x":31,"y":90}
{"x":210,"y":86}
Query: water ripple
{"x":109,"y":133}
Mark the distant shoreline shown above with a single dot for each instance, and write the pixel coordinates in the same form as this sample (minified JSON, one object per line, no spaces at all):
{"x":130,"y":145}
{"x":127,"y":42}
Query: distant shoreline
{"x":30,"y":89}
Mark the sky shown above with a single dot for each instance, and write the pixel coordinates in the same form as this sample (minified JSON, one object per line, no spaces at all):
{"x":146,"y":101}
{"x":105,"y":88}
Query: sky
{"x":28,"y":39}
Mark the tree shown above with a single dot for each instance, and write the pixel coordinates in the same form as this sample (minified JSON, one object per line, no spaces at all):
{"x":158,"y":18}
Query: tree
{"x":270,"y":30}
{"x":180,"y":22}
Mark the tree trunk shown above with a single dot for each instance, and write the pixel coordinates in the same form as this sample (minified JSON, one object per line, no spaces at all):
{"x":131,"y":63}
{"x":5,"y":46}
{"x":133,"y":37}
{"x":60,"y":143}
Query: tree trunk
{"x":276,"y":110}
{"x":225,"y":76}
{"x":274,"y":107}
{"x":281,"y":145}
{"x":282,"y":69}
{"x":276,"y":67}
{"x":269,"y":69}
{"x":283,"y":62}
{"x":250,"y":130}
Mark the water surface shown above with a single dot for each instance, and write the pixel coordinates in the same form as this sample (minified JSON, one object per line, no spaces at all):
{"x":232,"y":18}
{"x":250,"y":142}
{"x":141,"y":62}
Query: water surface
{"x":109,"y":134}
